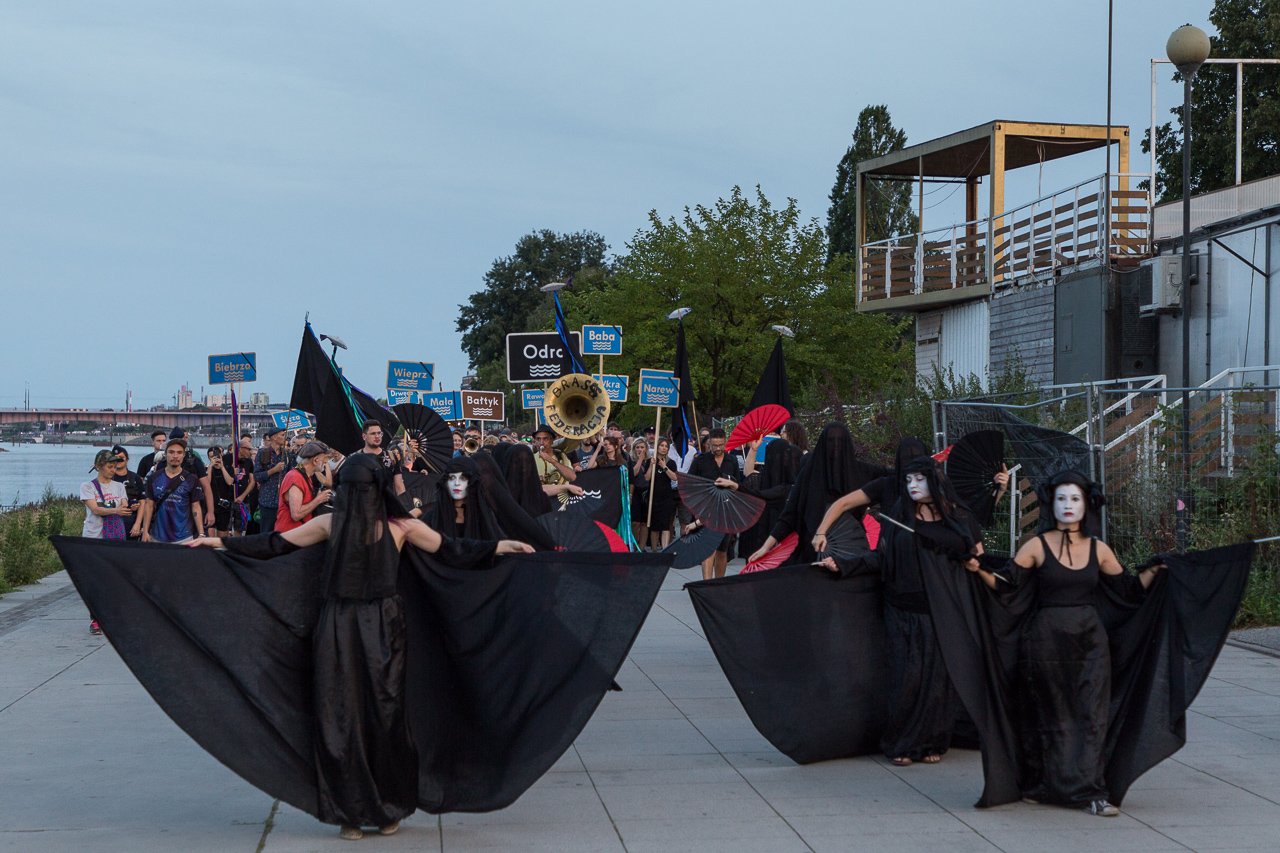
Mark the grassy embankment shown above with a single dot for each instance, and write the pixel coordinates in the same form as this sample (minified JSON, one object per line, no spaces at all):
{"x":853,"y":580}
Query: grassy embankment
{"x":25,"y":553}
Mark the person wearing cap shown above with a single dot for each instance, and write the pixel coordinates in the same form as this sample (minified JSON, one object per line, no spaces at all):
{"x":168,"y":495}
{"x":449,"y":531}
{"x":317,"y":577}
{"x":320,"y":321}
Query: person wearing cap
{"x":297,"y":499}
{"x":171,"y":506}
{"x":132,"y":488}
{"x":106,"y":506}
{"x":554,"y":469}
{"x":268,"y":470}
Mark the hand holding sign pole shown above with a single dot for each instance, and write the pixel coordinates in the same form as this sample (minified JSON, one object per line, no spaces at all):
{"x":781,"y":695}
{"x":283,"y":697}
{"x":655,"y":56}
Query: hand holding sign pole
{"x":658,"y":388}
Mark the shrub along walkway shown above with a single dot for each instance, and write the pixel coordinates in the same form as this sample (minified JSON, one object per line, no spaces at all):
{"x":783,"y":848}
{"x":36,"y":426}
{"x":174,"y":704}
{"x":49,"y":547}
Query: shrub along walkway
{"x":88,"y":762}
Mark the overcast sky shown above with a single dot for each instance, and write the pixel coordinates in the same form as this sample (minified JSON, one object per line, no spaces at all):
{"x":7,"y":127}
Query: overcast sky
{"x":178,"y":180}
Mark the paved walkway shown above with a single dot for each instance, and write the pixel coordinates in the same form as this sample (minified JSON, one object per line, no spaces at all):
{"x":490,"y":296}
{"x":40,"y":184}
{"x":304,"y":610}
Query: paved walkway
{"x":88,"y":763}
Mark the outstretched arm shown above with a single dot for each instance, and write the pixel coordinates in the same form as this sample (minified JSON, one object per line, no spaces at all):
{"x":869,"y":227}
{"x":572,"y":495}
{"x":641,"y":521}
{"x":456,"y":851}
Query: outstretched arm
{"x":842,"y":504}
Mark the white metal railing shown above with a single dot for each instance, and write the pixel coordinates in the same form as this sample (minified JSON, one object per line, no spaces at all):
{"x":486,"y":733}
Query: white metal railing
{"x":1093,"y":219}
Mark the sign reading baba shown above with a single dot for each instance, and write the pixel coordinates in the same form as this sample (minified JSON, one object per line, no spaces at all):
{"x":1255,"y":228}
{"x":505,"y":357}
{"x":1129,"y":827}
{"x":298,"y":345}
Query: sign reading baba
{"x":659,"y":388}
{"x":602,"y":340}
{"x":576,"y":406}
{"x":233,"y":367}
{"x":410,"y":375}
{"x":539,"y":356}
{"x":481,"y":405}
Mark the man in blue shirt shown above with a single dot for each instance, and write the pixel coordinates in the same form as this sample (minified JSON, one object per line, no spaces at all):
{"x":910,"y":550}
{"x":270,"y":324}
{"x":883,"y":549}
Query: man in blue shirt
{"x":172,"y":497}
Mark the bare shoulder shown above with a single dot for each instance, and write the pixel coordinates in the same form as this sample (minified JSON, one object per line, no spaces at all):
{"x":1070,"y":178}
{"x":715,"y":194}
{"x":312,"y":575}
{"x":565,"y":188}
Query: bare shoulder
{"x":1031,"y":554}
{"x":1107,"y":561}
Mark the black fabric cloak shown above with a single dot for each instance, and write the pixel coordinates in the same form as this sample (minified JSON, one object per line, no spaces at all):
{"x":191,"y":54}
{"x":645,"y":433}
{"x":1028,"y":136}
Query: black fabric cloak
{"x":419,"y":489}
{"x":829,"y":471}
{"x":1161,"y":651}
{"x":772,"y":483}
{"x":492,"y":513}
{"x":773,"y":386}
{"x":503,"y":667}
{"x":521,"y":474}
{"x":340,"y":407}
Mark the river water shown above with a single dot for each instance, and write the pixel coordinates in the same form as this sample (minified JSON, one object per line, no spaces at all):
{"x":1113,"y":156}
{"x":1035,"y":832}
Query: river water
{"x":26,"y":469}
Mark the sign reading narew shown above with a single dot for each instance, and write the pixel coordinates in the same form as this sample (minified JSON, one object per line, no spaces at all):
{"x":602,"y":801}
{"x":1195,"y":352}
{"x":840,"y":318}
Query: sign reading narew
{"x":659,"y":388}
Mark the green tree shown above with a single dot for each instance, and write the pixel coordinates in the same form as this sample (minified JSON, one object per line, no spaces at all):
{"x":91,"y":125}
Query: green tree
{"x":742,"y":265}
{"x":888,"y":208}
{"x":1247,"y":29}
{"x":511,"y":301}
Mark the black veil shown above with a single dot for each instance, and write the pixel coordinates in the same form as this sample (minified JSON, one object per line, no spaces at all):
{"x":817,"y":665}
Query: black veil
{"x":521,"y":474}
{"x":362,"y":557}
{"x":492,"y":513}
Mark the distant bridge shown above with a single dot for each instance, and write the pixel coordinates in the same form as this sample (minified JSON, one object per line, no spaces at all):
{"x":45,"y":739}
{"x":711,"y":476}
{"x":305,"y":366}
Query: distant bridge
{"x":167,"y":419}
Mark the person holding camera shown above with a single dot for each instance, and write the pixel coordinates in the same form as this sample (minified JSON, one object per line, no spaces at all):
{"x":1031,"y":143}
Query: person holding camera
{"x":298,"y":498}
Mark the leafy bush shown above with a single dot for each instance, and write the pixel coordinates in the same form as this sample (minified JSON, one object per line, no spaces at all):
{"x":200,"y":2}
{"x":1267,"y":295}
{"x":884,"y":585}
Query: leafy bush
{"x":25,"y":552}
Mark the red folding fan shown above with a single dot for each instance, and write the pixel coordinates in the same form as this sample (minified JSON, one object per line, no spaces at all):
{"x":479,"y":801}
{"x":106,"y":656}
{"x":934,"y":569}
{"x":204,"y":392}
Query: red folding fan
{"x":756,"y":424}
{"x":776,"y":556}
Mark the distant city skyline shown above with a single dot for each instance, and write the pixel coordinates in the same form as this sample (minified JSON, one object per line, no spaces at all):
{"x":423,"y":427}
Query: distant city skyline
{"x":180,"y":181}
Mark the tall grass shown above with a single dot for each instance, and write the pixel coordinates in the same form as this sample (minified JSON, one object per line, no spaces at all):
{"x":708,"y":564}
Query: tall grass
{"x":25,"y":553}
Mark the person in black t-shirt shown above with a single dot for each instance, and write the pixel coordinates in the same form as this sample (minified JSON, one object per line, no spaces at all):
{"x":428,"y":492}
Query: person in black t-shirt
{"x":133,"y":489}
{"x":148,"y":460}
{"x":719,"y":466}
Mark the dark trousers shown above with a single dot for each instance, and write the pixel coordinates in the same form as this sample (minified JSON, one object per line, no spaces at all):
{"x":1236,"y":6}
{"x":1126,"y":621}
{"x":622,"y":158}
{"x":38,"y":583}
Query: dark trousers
{"x":266,"y":518}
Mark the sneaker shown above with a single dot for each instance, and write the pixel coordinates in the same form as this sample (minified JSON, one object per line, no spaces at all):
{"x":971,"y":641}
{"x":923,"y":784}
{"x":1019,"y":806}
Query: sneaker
{"x":389,"y":830}
{"x":1031,"y":800}
{"x":95,"y":628}
{"x":1102,"y":808}
{"x":351,"y":833}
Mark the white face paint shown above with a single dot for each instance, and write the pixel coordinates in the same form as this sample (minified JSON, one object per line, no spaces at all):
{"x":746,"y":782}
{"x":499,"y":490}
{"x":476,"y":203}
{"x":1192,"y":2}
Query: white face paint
{"x":457,"y":486}
{"x":1068,"y":504}
{"x":918,"y":488}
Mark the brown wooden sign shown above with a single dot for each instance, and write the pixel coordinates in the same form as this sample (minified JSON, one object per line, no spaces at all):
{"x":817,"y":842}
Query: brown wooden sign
{"x":482,"y":405}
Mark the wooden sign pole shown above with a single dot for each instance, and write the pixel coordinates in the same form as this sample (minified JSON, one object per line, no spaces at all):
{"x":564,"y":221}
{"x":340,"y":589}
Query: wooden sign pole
{"x":653,"y":465}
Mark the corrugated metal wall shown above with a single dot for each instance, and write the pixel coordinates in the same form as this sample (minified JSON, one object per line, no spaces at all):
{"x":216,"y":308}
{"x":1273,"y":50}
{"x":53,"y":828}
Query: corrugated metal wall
{"x":964,"y":343}
{"x":1022,"y":323}
{"x":928,"y":329}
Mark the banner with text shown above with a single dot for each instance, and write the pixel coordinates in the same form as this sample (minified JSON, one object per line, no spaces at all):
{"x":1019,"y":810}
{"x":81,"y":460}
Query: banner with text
{"x":233,"y":367}
{"x":410,"y":375}
{"x":659,"y":388}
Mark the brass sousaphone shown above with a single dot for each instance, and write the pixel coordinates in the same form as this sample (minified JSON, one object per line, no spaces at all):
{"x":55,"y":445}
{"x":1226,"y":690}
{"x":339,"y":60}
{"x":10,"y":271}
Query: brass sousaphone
{"x":576,"y":406}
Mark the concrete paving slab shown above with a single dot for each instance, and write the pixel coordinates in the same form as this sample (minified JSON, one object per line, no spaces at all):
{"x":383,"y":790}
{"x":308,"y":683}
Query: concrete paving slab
{"x":88,"y":762}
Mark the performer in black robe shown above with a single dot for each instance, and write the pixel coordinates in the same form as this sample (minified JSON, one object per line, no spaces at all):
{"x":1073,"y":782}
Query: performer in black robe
{"x":773,"y":483}
{"x":830,"y":470}
{"x":773,"y":634}
{"x":298,"y":667}
{"x":520,"y":471}
{"x":488,"y":510}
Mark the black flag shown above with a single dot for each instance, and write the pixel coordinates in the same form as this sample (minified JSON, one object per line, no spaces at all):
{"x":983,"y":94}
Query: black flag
{"x":773,"y":387}
{"x":683,"y":425}
{"x":339,"y":407}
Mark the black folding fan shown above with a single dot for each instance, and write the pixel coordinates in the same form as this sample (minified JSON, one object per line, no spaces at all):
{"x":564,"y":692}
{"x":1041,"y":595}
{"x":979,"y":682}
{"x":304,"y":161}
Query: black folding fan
{"x":722,"y":509}
{"x":972,"y":464}
{"x":435,"y":439}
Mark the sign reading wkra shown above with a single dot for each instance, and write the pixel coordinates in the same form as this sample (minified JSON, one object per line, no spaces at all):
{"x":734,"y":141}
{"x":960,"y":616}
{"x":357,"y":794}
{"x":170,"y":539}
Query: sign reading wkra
{"x":602,"y":340}
{"x":410,"y":375}
{"x":615,"y":385}
{"x":539,"y":356}
{"x":233,"y":367}
{"x":532,"y":397}
{"x":659,"y":388}
{"x":443,"y":403}
{"x":482,"y":405}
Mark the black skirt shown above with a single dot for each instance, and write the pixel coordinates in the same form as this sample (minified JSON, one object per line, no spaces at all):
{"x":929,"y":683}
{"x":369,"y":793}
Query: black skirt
{"x":366,"y":764}
{"x":1064,"y":683}
{"x":922,"y":702}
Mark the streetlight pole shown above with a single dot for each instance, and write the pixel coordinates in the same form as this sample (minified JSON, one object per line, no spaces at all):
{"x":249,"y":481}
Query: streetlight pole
{"x":1188,"y":48}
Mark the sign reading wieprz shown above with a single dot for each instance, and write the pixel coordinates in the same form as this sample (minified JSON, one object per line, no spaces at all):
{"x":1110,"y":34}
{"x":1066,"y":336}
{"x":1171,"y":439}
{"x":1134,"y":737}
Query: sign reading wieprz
{"x":410,"y":375}
{"x":233,"y":367}
{"x":602,"y":340}
{"x":659,"y":388}
{"x":539,"y":356}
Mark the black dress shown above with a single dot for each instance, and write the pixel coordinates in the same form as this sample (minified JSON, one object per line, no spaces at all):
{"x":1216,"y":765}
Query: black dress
{"x":922,"y":703}
{"x":1064,"y":687}
{"x":664,"y":498}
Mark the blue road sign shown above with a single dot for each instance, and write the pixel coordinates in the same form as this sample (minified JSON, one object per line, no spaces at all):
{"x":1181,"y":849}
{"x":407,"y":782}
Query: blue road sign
{"x":233,"y":367}
{"x":532,"y":397}
{"x":602,"y":340}
{"x":395,"y":396}
{"x":443,"y":403}
{"x":616,"y":386}
{"x":659,"y":388}
{"x":410,"y":375}
{"x":292,"y":419}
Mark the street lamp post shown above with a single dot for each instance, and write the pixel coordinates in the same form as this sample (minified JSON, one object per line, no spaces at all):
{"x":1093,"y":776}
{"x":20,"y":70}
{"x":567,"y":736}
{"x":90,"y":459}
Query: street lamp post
{"x":1187,"y":48}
